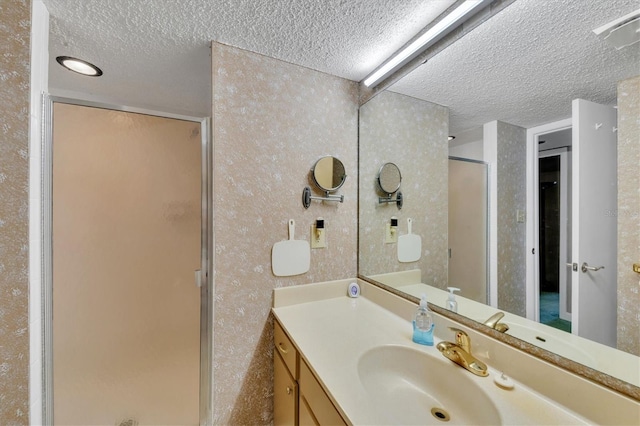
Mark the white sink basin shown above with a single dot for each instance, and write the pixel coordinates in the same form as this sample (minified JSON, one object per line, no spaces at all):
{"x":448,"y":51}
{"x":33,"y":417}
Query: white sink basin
{"x":414,"y":387}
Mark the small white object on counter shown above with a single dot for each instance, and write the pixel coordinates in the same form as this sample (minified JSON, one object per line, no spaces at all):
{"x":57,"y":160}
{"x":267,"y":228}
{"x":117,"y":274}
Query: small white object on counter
{"x":452,"y":304}
{"x":503,"y":381}
{"x":354,"y":290}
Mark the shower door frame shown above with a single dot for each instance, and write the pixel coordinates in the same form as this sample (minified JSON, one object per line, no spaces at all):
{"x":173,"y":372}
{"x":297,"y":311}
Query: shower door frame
{"x":206,"y":262}
{"x":487,"y":200}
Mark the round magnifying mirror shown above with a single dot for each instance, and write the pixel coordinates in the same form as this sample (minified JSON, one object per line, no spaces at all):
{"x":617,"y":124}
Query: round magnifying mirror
{"x":328,"y":173}
{"x":389,"y":178}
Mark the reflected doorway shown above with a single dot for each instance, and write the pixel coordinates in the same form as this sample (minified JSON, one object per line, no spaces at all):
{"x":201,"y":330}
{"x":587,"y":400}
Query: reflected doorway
{"x":553,"y":239}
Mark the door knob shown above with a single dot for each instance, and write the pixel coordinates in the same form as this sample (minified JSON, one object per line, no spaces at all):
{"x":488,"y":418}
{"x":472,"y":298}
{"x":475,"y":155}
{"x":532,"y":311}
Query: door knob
{"x":586,"y":267}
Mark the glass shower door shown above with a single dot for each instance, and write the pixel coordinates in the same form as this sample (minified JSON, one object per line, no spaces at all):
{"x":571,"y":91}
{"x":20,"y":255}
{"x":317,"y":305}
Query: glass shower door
{"x":126,"y":242}
{"x":468,"y":228}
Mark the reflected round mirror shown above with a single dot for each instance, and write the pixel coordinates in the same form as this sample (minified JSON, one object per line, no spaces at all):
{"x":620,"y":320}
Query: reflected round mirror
{"x":328,"y":173}
{"x":389,"y":178}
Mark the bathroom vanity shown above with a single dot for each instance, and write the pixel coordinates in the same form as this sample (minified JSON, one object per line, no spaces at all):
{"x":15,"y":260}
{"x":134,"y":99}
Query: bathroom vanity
{"x":342,"y":360}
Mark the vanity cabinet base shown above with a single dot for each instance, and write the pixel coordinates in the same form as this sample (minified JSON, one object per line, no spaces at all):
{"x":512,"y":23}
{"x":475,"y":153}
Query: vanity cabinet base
{"x":298,"y":397}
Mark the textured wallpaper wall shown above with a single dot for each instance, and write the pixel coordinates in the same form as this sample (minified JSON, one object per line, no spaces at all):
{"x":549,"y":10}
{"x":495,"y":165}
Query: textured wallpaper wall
{"x":15,"y":29}
{"x":628,"y":215}
{"x":511,"y":146}
{"x":271,"y":122}
{"x":412,"y":134}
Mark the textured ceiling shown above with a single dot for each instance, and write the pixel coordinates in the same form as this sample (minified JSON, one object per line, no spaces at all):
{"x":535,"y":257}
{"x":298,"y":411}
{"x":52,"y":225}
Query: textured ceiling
{"x":526,"y":64}
{"x":523,"y":66}
{"x":155,"y":53}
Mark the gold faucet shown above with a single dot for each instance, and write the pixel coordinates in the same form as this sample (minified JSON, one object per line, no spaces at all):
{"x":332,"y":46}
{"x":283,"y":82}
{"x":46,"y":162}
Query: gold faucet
{"x":494,"y":322}
{"x":460,"y":353}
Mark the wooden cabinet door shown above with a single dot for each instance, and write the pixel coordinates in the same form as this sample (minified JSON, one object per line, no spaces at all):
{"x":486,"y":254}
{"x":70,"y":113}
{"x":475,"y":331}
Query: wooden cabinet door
{"x":306,"y":417}
{"x":285,"y":394}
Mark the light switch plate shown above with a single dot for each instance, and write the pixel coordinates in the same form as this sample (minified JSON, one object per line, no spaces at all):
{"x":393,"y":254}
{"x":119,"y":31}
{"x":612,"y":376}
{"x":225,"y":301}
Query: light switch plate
{"x":390,"y":234}
{"x":318,"y":237}
{"x":521,"y":216}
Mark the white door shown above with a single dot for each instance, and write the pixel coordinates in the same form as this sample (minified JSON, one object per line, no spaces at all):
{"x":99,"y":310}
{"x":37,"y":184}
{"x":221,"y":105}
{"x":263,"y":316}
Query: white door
{"x":594,"y":222}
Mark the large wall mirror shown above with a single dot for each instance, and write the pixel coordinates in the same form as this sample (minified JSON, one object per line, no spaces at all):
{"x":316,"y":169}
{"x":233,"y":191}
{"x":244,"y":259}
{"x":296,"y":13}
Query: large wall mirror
{"x":524,"y":93}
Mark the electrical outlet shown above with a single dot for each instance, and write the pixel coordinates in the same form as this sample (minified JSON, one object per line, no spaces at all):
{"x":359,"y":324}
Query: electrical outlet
{"x":318,"y":237}
{"x":391,"y":234}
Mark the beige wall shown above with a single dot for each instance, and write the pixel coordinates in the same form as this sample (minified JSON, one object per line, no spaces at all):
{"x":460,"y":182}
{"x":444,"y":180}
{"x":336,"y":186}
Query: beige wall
{"x":271,"y":122}
{"x":511,"y":181}
{"x":15,"y":29}
{"x":412,"y":134}
{"x":628,"y":215}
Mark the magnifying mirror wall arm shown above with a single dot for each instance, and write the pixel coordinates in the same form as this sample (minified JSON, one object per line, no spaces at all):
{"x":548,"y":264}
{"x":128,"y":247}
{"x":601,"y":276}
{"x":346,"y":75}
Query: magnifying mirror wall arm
{"x":307,"y":197}
{"x":389,"y":199}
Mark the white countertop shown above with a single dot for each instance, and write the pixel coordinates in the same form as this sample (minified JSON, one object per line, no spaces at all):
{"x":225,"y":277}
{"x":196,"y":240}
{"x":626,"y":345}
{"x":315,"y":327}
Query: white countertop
{"x":332,"y":334}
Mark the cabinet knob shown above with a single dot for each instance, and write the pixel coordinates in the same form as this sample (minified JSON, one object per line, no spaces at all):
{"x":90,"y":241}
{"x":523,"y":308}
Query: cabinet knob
{"x":289,"y":390}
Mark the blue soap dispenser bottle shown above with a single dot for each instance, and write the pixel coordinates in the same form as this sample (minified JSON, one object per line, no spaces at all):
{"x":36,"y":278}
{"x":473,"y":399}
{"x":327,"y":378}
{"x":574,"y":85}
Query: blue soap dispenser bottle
{"x":423,"y":324}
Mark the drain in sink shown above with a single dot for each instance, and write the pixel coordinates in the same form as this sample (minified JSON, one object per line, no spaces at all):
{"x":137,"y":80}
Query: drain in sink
{"x":440,"y":414}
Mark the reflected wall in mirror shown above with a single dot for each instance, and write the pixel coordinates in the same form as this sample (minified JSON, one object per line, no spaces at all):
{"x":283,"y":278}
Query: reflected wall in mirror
{"x":413,"y":135}
{"x":495,"y":92}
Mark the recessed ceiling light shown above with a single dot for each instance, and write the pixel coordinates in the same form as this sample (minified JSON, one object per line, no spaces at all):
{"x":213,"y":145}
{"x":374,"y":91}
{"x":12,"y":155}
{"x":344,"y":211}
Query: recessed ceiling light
{"x":79,"y":66}
{"x":451,"y":138}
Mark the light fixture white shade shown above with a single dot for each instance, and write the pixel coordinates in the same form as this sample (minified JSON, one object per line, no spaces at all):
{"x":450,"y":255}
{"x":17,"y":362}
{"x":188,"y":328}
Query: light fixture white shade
{"x":621,"y":32}
{"x":79,"y":66}
{"x":443,"y":27}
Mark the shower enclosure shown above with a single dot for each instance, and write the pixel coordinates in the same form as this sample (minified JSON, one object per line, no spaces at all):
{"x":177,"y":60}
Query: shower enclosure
{"x":468,"y":228}
{"x":129,"y":299}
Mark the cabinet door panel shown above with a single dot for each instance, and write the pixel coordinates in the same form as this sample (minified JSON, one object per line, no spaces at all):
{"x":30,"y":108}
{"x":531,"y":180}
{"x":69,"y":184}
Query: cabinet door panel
{"x":285,"y":349}
{"x":319,"y":403}
{"x":285,"y":394}
{"x":306,"y":417}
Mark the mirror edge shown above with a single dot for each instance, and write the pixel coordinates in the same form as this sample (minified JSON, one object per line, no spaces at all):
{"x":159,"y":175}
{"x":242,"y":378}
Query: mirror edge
{"x":581,"y":370}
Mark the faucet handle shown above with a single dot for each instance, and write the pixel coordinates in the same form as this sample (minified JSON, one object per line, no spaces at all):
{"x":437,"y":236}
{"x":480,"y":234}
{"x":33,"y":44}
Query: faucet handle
{"x":462,"y":339}
{"x":493,"y":320}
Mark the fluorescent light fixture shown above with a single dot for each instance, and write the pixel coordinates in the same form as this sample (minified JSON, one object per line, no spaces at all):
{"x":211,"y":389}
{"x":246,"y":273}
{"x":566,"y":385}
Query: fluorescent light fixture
{"x":622,"y":32}
{"x":439,"y":30}
{"x":79,"y":66}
